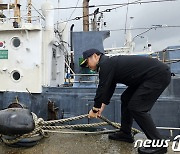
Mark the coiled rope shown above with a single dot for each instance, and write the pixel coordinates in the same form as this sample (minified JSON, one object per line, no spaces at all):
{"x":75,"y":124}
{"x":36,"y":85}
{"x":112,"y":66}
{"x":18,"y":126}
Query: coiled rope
{"x":42,"y":127}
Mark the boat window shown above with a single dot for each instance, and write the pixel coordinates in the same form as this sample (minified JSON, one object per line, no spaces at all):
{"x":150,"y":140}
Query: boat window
{"x":16,"y":75}
{"x":1,"y":44}
{"x":16,"y":42}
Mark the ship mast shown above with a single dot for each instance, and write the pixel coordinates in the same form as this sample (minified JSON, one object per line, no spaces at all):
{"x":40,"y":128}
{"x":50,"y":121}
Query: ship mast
{"x":29,"y":10}
{"x":17,"y":11}
{"x":86,"y":15}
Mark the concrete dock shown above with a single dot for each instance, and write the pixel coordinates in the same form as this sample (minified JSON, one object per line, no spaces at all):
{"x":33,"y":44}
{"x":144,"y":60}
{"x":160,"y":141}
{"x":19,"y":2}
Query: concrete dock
{"x":58,"y":143}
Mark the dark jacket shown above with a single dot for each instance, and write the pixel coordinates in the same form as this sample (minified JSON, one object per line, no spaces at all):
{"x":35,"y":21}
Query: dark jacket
{"x":128,"y":70}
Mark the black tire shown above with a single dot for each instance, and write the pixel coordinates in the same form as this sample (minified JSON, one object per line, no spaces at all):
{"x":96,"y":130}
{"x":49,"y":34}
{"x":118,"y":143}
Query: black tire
{"x":23,"y":144}
{"x":26,"y":142}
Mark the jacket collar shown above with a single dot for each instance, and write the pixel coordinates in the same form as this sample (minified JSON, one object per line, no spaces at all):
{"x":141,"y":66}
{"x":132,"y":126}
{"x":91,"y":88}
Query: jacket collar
{"x":101,"y":60}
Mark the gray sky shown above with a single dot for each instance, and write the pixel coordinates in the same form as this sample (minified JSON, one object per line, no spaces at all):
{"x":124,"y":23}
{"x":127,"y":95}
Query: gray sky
{"x":145,"y":15}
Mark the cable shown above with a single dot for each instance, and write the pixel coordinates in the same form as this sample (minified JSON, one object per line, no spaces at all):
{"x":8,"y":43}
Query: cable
{"x":38,"y":12}
{"x":121,"y":5}
{"x":107,"y":10}
{"x":70,"y":16}
{"x":105,"y":5}
{"x":126,"y":17}
{"x":154,"y":27}
{"x":148,"y":29}
{"x":142,"y":28}
{"x":143,"y":33}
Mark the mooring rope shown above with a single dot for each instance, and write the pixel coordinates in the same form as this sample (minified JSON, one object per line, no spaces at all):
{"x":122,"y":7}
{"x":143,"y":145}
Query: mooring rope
{"x":51,"y":122}
{"x":81,"y":132}
{"x":18,"y":138}
{"x":42,"y":127}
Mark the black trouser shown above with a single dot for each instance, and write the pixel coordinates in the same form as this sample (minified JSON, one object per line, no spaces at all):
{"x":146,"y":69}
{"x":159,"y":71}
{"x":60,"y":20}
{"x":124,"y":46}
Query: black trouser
{"x":137,"y":101}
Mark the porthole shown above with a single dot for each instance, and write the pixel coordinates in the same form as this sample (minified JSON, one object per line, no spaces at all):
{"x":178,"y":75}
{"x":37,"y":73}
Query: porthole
{"x":16,"y":42}
{"x":1,"y":44}
{"x":15,"y":75}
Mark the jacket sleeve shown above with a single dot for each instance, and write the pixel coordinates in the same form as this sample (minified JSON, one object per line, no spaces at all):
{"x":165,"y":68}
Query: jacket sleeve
{"x":106,"y":85}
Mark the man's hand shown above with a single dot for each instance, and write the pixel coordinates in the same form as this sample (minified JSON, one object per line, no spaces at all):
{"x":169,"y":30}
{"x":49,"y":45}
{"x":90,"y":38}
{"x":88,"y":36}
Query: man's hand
{"x":98,"y":114}
{"x":92,"y":114}
{"x":101,"y":109}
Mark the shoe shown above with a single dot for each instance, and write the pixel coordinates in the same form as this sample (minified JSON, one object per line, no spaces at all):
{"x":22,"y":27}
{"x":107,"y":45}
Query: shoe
{"x":151,"y":150}
{"x":121,"y":136}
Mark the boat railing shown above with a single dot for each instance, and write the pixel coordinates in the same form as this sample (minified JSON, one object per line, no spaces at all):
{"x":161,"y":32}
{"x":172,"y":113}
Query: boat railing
{"x":82,"y":78}
{"x":89,"y":78}
{"x":85,"y":74}
{"x":24,"y":19}
{"x":171,"y":129}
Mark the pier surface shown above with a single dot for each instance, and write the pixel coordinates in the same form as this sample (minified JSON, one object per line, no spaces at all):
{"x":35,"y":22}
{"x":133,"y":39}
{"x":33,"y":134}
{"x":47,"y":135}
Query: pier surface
{"x":58,"y":143}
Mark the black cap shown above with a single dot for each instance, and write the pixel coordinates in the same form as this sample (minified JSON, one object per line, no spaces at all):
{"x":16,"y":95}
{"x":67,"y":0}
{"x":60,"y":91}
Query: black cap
{"x":87,"y":54}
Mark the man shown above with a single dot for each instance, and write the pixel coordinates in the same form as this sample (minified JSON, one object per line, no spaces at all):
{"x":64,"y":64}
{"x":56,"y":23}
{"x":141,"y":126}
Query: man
{"x":146,"y":79}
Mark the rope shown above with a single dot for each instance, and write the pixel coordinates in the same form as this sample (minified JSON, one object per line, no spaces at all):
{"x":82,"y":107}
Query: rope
{"x":51,"y":122}
{"x":42,"y":127}
{"x":75,"y":126}
{"x":86,"y":126}
{"x":115,"y":125}
{"x":18,"y":138}
{"x":81,"y":132}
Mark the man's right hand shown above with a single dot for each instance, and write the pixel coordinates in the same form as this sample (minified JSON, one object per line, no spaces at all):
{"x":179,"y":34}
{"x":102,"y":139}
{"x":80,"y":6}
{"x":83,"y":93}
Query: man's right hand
{"x":92,"y":114}
{"x":101,"y":109}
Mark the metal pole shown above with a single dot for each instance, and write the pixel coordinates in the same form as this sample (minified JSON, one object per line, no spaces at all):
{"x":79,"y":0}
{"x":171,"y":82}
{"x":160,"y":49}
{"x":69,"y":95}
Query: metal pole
{"x":8,"y":13}
{"x":95,"y":19}
{"x":86,"y":15}
{"x":71,"y":39}
{"x":17,"y":11}
{"x":29,"y":11}
{"x":164,"y":58}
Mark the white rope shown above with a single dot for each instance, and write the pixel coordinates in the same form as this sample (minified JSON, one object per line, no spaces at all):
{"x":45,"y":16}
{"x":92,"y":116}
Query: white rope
{"x":42,"y":127}
{"x":81,"y":132}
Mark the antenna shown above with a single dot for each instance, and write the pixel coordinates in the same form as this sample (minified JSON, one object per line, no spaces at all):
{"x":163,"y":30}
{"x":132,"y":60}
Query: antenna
{"x":58,"y":9}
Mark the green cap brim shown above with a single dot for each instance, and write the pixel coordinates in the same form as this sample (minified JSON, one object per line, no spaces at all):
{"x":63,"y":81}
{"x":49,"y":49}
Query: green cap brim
{"x":84,"y":63}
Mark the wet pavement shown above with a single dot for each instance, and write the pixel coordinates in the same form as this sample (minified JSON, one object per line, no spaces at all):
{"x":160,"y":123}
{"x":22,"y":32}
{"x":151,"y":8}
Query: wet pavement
{"x":58,"y":143}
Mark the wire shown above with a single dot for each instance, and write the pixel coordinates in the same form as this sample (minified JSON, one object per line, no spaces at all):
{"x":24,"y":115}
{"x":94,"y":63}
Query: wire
{"x":107,"y":10}
{"x":151,"y":29}
{"x":70,"y":16}
{"x":126,"y":16}
{"x":142,"y":28}
{"x":143,"y":33}
{"x":38,"y":11}
{"x":148,"y":29}
{"x":105,"y":5}
{"x":121,"y":5}
{"x":58,"y":6}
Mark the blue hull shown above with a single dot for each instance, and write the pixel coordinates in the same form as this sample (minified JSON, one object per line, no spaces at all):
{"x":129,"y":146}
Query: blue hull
{"x":76,"y":101}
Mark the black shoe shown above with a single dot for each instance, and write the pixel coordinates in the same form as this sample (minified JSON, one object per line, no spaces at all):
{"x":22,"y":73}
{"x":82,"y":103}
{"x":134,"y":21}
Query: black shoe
{"x":150,"y":150}
{"x":121,"y":136}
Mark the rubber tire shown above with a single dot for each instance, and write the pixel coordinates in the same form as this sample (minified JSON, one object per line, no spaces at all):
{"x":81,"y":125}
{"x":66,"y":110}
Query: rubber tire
{"x":26,"y":142}
{"x":23,"y":144}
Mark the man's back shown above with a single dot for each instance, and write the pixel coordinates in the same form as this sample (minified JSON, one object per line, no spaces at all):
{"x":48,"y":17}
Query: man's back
{"x":130,"y":70}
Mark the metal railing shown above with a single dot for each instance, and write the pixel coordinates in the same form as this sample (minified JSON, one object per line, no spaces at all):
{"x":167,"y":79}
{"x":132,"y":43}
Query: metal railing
{"x":171,"y":129}
{"x":24,"y":19}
